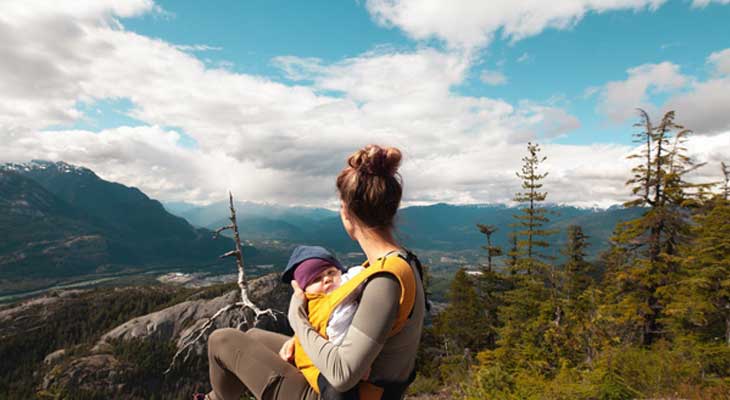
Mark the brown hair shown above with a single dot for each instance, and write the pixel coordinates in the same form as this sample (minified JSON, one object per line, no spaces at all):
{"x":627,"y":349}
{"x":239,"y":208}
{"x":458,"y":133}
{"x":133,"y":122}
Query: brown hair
{"x":370,"y":186}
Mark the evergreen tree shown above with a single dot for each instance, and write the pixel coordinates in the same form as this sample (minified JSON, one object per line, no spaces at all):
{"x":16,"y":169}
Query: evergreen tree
{"x":701,"y":300}
{"x":726,"y":180}
{"x":532,"y":217}
{"x":462,"y":323}
{"x":531,"y":310}
{"x":491,"y":287}
{"x":513,"y":253}
{"x":492,"y":251}
{"x":659,"y":184}
{"x":573,"y":334}
{"x":576,"y":268}
{"x":526,"y":333}
{"x":643,"y":255}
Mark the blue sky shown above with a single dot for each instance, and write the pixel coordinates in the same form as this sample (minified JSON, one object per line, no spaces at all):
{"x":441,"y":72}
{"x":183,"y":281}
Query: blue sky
{"x":187,"y":99}
{"x":557,"y":65}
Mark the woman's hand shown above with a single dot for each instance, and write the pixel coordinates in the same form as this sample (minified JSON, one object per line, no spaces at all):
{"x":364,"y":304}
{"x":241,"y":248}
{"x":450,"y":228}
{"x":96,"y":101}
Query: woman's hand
{"x":297,"y":307}
{"x":298,"y":292}
{"x":287,"y":350}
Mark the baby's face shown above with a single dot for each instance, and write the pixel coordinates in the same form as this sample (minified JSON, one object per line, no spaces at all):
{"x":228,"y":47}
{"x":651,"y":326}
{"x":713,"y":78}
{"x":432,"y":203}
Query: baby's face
{"x":326,"y":281}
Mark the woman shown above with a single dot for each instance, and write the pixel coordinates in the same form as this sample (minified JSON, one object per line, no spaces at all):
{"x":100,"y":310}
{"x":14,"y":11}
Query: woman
{"x":383,"y":337}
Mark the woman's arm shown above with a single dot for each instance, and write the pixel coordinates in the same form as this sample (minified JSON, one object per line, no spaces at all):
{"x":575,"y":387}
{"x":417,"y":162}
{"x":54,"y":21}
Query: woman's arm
{"x":344,"y":365}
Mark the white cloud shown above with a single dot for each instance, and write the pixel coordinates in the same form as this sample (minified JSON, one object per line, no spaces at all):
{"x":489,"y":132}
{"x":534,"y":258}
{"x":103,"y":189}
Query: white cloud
{"x":525,"y":57}
{"x":472,"y":24}
{"x":394,"y":75}
{"x":493,"y":77}
{"x":720,"y":60}
{"x":269,"y":141}
{"x":298,"y":68}
{"x":699,"y":105}
{"x":704,"y":108}
{"x":591,"y":91}
{"x":556,"y":121}
{"x":197,"y":47}
{"x":705,"y":3}
{"x":619,"y":99}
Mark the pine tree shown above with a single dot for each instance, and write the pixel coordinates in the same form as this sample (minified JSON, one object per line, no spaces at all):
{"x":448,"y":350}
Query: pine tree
{"x":642,"y":179}
{"x":726,"y":180}
{"x":659,"y":184}
{"x":701,"y":302}
{"x":576,"y":268}
{"x":462,"y":323}
{"x":575,"y":336}
{"x":703,"y":298}
{"x":492,"y":251}
{"x":532,"y":217}
{"x":567,"y":334}
{"x":643,"y":259}
{"x":531,"y":310}
{"x":513,"y":254}
{"x":491,"y":286}
{"x":526,"y":315}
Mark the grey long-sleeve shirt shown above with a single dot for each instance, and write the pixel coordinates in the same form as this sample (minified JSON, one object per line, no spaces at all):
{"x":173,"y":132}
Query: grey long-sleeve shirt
{"x":366,"y":343}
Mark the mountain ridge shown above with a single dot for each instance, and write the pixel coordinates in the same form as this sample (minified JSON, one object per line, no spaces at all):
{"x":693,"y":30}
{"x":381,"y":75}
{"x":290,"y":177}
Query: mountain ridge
{"x":59,"y":220}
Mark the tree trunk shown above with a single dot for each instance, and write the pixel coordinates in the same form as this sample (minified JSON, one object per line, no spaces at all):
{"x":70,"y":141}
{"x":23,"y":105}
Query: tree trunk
{"x":651,"y":327}
{"x":489,"y":252}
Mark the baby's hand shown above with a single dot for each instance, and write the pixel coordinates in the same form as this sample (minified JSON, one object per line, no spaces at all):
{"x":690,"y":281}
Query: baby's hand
{"x":287,"y":351}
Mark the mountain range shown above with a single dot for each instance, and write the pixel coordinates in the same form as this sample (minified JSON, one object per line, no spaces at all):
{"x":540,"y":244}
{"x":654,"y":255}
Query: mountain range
{"x":442,"y":227}
{"x":59,"y":221}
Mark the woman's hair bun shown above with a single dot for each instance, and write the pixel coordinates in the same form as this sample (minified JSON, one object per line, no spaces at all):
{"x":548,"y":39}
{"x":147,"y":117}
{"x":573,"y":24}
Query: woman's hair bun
{"x":376,"y":160}
{"x":370,"y":187}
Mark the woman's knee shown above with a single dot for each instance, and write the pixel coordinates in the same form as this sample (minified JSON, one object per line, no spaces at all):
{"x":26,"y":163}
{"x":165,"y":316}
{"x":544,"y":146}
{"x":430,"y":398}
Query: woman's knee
{"x":256,"y":333}
{"x":223,"y":338}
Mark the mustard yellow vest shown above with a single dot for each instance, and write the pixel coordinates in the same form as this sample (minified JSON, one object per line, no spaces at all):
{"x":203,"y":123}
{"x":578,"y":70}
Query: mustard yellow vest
{"x":321,"y":307}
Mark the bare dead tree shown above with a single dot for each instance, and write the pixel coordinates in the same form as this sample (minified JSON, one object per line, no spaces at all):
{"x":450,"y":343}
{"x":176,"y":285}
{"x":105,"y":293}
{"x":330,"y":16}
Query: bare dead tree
{"x":196,"y":335}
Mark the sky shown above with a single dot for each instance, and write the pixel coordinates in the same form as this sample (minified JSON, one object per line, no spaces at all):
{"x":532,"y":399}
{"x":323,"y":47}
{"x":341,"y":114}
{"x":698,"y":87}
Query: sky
{"x":187,"y":100}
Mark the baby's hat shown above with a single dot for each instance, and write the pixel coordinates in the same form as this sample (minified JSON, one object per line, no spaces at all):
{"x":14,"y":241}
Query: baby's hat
{"x":319,"y":256}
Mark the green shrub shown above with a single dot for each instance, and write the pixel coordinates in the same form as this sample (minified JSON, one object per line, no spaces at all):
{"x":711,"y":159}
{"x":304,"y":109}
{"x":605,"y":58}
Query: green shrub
{"x":424,"y":385}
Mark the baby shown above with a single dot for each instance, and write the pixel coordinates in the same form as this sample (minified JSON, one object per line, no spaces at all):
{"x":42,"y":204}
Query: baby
{"x":317,"y":271}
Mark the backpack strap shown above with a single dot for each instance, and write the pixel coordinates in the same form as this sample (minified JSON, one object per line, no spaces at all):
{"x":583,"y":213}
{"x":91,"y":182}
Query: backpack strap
{"x":413,"y":260}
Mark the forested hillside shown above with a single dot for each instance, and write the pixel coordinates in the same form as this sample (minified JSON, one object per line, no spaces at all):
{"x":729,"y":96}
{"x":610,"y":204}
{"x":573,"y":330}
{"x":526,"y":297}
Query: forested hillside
{"x":654,"y":324}
{"x":60,"y":221}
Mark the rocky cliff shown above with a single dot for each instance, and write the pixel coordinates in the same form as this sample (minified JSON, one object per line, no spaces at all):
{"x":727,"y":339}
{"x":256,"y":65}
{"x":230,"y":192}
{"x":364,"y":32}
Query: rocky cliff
{"x":126,"y":360}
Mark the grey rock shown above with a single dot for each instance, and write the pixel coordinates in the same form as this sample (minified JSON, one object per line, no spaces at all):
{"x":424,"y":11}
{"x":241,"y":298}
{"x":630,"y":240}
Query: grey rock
{"x":179,"y":320}
{"x":98,"y":372}
{"x":54,"y":357}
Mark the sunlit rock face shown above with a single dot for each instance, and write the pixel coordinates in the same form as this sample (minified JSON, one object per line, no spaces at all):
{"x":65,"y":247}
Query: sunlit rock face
{"x":109,"y":368}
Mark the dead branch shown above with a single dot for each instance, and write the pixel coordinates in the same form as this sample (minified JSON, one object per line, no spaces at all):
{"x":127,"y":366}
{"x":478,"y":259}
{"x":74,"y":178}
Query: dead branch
{"x":199,"y":334}
{"x":221,"y":229}
{"x":229,"y":254}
